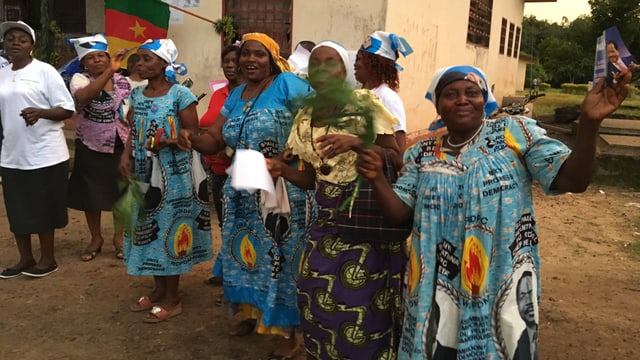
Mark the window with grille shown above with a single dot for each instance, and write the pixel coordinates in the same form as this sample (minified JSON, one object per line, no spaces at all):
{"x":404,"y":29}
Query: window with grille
{"x":272,"y":17}
{"x":479,"y":30}
{"x":510,"y":42}
{"x":503,"y":35}
{"x":516,"y":47}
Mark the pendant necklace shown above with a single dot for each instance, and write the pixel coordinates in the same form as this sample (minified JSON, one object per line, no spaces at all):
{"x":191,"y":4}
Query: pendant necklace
{"x":466,"y":141}
{"x":325,"y":169}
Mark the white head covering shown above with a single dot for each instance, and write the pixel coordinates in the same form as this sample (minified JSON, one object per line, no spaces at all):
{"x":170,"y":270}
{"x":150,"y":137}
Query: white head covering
{"x":386,"y":44}
{"x":344,"y":55}
{"x":299,"y":60}
{"x":8,"y":25}
{"x":167,"y":51}
{"x":88,"y":44}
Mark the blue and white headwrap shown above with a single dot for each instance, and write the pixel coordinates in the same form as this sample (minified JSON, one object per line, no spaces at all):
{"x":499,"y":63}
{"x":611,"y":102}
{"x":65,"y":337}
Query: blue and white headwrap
{"x":88,"y":44}
{"x":386,"y":45}
{"x":444,"y":76}
{"x":167,"y":51}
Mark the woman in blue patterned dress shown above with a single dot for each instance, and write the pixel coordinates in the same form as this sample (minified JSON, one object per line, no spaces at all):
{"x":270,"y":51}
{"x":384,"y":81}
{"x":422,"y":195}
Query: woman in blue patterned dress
{"x":173,"y":232}
{"x":476,"y":243}
{"x":260,"y":265}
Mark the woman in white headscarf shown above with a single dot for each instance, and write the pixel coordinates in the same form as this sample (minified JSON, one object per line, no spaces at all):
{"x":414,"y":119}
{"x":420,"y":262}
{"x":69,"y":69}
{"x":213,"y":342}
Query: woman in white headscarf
{"x":173,"y":232}
{"x":101,"y":132}
{"x":360,"y":322}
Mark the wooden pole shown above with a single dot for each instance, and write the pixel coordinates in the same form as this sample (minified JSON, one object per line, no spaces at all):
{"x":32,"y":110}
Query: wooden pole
{"x":192,"y":14}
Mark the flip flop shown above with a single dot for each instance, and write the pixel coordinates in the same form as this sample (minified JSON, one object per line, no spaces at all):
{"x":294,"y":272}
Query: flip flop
{"x":90,"y":253}
{"x":143,"y":304}
{"x":158,"y":314}
{"x":119,"y":253}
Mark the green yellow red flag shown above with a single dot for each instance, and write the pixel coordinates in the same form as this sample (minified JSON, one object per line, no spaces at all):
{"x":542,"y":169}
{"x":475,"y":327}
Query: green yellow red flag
{"x":129,"y":23}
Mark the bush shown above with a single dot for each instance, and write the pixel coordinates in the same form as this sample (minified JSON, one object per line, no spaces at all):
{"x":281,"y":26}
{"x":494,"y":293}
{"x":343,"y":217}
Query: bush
{"x":544,"y":86}
{"x":576,"y":89}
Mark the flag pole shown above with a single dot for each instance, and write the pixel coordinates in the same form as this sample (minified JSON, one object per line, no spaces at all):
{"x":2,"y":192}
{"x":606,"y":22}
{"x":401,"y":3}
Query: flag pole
{"x":192,"y":14}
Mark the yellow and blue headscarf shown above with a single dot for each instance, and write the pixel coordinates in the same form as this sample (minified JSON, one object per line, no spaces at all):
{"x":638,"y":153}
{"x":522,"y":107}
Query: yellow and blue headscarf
{"x":167,"y":51}
{"x":387,"y":45}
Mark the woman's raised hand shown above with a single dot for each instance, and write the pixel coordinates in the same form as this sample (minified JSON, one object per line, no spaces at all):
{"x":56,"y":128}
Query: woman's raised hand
{"x":184,"y":143}
{"x":117,"y":58}
{"x":602,"y":100}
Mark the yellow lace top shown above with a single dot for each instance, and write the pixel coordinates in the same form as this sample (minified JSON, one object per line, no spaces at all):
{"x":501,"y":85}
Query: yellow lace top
{"x":342,"y":166}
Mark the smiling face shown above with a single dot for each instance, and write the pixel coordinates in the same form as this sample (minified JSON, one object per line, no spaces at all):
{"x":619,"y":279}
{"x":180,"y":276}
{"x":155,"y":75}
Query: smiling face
{"x":325,"y":64}
{"x":96,"y":62}
{"x":612,"y":52}
{"x":255,"y":61}
{"x":17,"y":44}
{"x":461,"y":106}
{"x":150,"y":65}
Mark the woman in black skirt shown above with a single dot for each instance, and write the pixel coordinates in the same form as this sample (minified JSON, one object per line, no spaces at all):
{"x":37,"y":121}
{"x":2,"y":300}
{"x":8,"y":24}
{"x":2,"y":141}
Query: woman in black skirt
{"x":34,"y":162}
{"x":101,"y":132}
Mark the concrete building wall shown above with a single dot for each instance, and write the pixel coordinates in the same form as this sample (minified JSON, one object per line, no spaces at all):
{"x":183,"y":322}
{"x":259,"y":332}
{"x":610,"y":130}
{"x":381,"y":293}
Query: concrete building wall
{"x":95,"y":16}
{"x":199,"y":48}
{"x":438,"y":36}
{"x":345,"y":21}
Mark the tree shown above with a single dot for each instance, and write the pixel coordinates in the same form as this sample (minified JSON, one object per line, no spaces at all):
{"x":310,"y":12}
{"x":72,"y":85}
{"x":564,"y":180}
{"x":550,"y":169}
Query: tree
{"x":622,"y":13}
{"x":565,"y":61}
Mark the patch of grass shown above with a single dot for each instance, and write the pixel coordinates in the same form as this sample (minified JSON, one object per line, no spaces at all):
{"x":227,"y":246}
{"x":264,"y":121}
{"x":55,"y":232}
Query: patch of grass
{"x":555,"y":98}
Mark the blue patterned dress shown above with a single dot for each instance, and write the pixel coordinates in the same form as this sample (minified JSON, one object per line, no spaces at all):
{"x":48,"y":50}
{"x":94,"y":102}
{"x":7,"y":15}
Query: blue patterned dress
{"x":475,"y":238}
{"x":174,"y":231}
{"x":257,"y":268}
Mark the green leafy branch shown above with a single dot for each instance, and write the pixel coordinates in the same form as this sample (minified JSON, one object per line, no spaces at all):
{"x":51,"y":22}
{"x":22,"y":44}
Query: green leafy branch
{"x":224,"y":26}
{"x":345,"y":109}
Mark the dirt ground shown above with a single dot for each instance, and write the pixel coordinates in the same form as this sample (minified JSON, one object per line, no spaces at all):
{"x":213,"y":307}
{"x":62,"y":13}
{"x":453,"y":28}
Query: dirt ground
{"x":590,"y":294}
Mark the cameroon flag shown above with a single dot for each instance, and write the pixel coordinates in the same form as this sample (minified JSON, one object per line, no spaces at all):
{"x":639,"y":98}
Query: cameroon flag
{"x":129,"y":23}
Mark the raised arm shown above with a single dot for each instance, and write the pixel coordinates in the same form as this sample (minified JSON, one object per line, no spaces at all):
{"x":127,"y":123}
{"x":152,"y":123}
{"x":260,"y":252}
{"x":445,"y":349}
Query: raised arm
{"x":576,"y":172}
{"x":91,"y":91}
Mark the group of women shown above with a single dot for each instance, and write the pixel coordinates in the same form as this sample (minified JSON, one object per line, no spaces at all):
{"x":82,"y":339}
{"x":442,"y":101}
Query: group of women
{"x":451,"y":295}
{"x":467,"y":191}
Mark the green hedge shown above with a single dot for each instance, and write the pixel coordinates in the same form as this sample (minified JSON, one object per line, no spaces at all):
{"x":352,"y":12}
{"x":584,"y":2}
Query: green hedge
{"x":544,"y":86}
{"x":576,"y":89}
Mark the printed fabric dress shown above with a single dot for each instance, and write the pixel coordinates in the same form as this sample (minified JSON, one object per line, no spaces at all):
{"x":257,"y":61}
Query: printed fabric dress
{"x":174,"y":231}
{"x":473,"y":270}
{"x":349,"y":290}
{"x":260,"y":267}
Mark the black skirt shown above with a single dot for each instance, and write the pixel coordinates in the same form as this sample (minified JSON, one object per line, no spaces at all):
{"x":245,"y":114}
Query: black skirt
{"x":93,"y":185}
{"x":36,"y":199}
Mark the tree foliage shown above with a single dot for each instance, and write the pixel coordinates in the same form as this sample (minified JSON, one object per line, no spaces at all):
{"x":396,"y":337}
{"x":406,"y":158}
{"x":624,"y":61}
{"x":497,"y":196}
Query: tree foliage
{"x":565,"y":52}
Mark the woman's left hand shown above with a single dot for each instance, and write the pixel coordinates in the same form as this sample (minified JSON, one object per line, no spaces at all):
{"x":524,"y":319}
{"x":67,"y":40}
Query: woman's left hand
{"x":333,"y":145}
{"x":602,"y":100}
{"x":275,"y":166}
{"x":31,"y":115}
